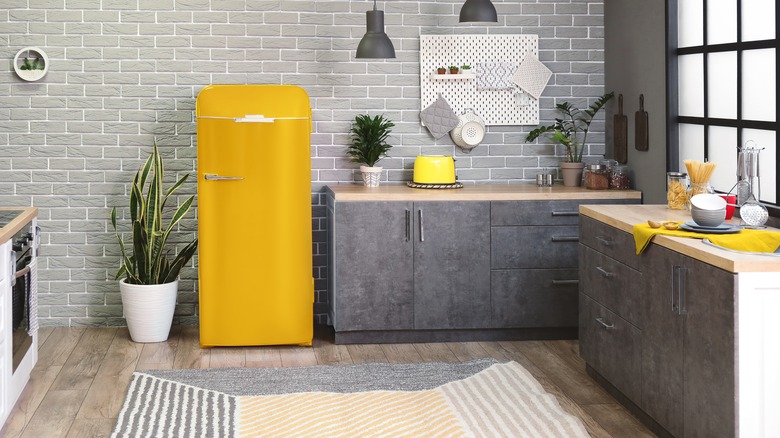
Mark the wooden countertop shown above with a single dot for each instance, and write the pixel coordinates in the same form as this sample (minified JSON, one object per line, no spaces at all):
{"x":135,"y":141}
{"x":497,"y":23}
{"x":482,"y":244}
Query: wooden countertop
{"x":624,"y":217}
{"x":27,"y":213}
{"x":485,"y":192}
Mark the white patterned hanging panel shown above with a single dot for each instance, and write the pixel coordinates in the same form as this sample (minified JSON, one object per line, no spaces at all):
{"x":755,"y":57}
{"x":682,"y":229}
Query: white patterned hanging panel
{"x":486,"y":54}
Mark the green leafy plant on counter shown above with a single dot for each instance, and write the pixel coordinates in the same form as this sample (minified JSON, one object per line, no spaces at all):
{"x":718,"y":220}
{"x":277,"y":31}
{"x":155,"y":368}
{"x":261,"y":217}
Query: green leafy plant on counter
{"x":565,"y":130}
{"x":369,"y":139}
{"x":150,"y":261}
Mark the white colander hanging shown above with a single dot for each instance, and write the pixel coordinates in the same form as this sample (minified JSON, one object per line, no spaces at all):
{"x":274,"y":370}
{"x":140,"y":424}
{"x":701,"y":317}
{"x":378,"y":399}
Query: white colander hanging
{"x":469,"y":132}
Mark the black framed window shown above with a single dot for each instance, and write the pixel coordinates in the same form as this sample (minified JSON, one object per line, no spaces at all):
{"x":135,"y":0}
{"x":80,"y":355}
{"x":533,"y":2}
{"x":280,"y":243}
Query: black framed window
{"x":723,"y":92}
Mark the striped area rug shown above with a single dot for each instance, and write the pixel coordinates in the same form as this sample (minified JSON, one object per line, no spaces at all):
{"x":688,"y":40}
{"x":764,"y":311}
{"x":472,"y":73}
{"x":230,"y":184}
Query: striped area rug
{"x":502,"y":399}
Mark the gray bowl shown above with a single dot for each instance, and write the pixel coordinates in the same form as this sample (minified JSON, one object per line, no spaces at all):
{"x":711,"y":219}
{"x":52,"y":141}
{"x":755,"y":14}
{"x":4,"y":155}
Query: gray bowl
{"x":708,"y":218}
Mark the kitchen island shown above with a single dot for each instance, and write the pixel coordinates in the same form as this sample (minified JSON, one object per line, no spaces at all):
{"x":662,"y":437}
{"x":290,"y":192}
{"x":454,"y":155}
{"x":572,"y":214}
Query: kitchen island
{"x":484,"y":262}
{"x":684,"y":333}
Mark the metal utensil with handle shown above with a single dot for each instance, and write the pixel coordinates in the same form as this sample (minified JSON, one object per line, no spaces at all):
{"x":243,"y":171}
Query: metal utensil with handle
{"x":620,"y":130}
{"x":642,"y":141}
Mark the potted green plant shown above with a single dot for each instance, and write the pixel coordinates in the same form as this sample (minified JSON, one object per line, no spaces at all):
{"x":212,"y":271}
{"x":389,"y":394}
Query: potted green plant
{"x":150,"y":268}
{"x":567,"y":130}
{"x":369,"y":145}
{"x":453,"y":69}
{"x":441,"y":70}
{"x":465,"y":68}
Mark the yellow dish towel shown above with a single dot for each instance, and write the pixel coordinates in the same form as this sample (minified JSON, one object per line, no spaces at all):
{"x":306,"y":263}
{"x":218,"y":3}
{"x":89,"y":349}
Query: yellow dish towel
{"x":745,"y":240}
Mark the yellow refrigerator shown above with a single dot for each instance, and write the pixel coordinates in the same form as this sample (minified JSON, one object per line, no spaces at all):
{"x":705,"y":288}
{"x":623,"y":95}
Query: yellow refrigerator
{"x":255,"y":280}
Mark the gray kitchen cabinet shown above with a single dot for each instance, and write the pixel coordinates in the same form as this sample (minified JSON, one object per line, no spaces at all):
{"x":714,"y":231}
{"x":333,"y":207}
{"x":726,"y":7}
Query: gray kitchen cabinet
{"x":403,"y":266}
{"x":452,"y":265}
{"x":688,"y":356}
{"x":525,"y":298}
{"x":372,"y":266}
{"x":662,"y":334}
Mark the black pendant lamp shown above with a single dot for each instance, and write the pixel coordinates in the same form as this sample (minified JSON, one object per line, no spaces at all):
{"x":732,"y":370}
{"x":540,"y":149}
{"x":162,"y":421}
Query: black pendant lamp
{"x":478,"y":11}
{"x":375,"y":43}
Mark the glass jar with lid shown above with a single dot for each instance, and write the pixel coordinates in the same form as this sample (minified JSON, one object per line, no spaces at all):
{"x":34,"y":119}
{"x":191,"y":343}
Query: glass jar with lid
{"x":619,"y":179}
{"x":596,"y":177}
{"x":676,"y":190}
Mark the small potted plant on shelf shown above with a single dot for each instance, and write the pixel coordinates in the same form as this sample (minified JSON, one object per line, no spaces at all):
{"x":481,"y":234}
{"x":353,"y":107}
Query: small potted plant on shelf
{"x":465,"y":68}
{"x":441,"y":70}
{"x":565,"y":131}
{"x":369,"y":145}
{"x":453,"y":69}
{"x":150,"y":268}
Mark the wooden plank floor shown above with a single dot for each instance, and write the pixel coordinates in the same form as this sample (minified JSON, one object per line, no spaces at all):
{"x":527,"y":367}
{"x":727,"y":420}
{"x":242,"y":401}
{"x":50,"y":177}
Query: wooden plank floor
{"x":77,"y":388}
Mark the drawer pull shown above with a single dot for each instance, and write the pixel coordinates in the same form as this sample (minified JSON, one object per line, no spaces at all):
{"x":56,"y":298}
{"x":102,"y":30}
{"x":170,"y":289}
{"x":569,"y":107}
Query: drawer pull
{"x":564,"y":282}
{"x":604,"y":241}
{"x":408,"y":225}
{"x":606,"y":325}
{"x":566,"y":213}
{"x":566,"y":238}
{"x":604,"y":273}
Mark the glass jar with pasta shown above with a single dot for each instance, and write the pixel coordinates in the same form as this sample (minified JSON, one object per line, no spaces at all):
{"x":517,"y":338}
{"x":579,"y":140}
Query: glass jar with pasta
{"x":676,"y":190}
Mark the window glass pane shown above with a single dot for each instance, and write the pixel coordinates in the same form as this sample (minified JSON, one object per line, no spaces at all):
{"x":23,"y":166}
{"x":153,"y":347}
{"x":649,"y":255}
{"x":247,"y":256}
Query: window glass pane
{"x":759,"y":82}
{"x":758,"y":20}
{"x":691,"y":144}
{"x":690,"y":29}
{"x":767,"y":160}
{"x":721,"y":21}
{"x":722,"y":91}
{"x":691,"y":93}
{"x":723,"y":151}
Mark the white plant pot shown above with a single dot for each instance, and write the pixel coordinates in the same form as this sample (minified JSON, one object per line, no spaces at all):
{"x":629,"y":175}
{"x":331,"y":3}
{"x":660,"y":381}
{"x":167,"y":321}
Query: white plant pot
{"x":149,"y":309}
{"x":371,"y":175}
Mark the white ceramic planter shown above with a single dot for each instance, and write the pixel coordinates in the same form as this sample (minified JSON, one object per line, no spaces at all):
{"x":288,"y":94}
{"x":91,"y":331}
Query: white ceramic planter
{"x":149,"y":309}
{"x":371,"y":175}
{"x":33,"y":53}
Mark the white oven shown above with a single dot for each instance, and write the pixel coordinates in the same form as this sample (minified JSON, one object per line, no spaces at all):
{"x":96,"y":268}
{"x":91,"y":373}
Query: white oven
{"x":18,"y":308}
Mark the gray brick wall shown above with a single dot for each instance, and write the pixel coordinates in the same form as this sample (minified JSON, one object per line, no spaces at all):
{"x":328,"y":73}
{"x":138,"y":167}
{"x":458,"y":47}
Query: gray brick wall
{"x":124,"y":74}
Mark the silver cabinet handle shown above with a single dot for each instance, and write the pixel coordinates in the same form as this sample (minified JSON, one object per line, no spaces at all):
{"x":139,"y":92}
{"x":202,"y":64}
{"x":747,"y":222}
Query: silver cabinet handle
{"x":604,"y":273}
{"x":13,"y":267}
{"x":213,"y":177}
{"x":606,"y":325}
{"x":604,"y":241}
{"x":422,"y":229}
{"x":564,"y":282}
{"x":566,"y":238}
{"x":681,"y":308}
{"x":566,"y":213}
{"x":675,"y":285}
{"x":408,"y":224}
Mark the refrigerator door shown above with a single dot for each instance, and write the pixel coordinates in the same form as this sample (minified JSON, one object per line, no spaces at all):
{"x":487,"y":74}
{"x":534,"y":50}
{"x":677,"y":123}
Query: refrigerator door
{"x":254,"y":215}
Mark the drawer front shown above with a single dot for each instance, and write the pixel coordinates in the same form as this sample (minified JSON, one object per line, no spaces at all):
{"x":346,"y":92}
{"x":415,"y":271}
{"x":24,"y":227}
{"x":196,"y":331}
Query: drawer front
{"x":504,"y":213}
{"x":524,"y":298}
{"x":533,"y":247}
{"x":611,"y":283}
{"x":612,"y":346}
{"x":609,"y":240}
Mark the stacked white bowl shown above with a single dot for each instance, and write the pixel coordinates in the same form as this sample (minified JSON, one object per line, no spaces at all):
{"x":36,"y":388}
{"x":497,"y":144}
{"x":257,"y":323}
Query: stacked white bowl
{"x":708,"y":210}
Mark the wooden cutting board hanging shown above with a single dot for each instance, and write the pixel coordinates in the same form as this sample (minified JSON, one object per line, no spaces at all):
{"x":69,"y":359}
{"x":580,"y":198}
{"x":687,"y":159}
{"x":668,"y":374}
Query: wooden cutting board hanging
{"x":620,"y":133}
{"x":642,"y":142}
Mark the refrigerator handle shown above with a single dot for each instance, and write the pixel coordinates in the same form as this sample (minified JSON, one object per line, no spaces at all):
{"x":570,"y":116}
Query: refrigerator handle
{"x":212,"y":177}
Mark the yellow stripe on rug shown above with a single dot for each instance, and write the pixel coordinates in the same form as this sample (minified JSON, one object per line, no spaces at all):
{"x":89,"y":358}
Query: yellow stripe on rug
{"x":375,"y":413}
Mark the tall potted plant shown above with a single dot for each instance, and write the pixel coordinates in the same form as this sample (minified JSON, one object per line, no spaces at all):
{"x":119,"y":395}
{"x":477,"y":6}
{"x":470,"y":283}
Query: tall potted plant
{"x":565,"y":131}
{"x":150,"y":269}
{"x":369,"y":145}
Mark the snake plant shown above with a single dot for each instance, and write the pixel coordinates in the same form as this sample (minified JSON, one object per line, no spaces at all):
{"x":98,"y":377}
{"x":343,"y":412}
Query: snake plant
{"x":150,"y":261}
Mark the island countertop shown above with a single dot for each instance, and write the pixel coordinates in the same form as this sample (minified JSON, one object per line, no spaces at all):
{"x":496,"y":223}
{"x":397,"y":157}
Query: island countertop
{"x":624,"y":217}
{"x":479,"y":192}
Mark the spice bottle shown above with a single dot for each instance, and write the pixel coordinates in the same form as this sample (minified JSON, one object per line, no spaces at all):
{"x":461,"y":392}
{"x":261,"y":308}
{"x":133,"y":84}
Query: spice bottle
{"x":596,"y":177}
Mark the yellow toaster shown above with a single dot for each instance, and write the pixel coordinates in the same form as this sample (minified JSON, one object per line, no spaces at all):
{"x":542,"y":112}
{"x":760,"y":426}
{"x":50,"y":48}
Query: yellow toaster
{"x":434,"y":169}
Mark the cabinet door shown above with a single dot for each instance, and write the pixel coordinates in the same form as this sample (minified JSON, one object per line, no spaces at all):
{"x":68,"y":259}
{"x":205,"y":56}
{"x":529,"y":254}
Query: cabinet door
{"x":451,"y":265}
{"x":373,"y":266}
{"x":662,"y":339}
{"x":709,"y":363}
{"x":524,"y":298}
{"x":537,"y":247}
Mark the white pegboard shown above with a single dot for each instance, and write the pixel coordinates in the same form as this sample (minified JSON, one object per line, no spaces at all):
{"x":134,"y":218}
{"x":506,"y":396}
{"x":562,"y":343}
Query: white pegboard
{"x":496,"y":107}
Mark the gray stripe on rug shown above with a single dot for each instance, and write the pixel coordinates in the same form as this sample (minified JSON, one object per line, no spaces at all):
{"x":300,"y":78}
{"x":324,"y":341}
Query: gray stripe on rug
{"x":326,"y":378}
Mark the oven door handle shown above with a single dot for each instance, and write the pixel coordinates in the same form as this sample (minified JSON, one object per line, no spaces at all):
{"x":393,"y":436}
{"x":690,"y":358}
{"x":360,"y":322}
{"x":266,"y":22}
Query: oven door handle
{"x":22,"y":272}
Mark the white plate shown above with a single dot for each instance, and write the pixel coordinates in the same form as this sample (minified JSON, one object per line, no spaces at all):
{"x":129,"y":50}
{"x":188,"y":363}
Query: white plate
{"x":693,"y":224}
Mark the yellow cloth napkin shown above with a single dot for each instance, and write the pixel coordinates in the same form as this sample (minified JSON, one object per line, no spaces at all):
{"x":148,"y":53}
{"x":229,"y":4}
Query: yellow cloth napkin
{"x":745,"y":240}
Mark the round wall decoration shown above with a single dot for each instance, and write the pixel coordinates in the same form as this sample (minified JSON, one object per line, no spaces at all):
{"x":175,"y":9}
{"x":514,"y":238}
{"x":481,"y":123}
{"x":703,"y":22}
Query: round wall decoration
{"x":31,"y":63}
